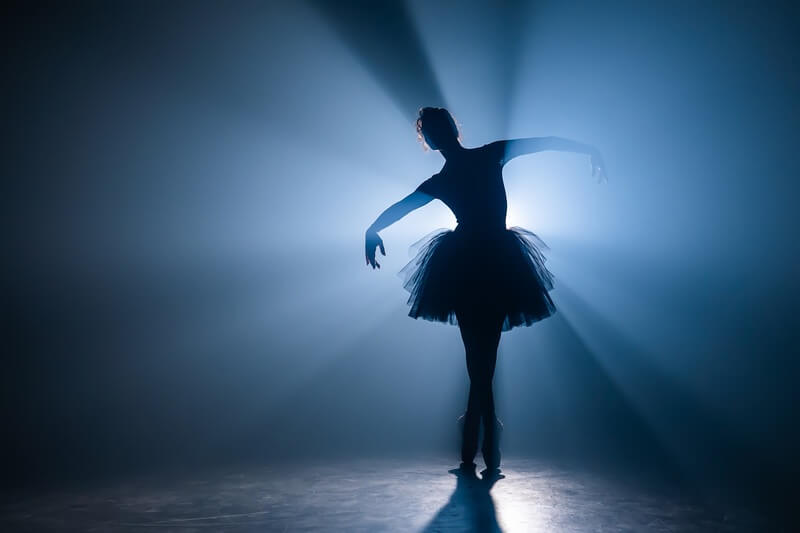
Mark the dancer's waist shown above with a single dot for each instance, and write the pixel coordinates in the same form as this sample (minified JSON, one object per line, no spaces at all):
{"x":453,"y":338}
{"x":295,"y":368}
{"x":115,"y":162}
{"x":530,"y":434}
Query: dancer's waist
{"x":480,"y":229}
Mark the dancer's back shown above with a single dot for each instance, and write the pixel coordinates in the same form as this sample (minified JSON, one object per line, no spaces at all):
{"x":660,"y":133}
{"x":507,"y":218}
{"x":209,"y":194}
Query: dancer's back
{"x":471,"y":185}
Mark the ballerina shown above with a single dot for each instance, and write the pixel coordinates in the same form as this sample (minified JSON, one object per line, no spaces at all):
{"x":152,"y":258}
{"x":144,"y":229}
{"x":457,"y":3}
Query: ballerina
{"x":482,"y":276}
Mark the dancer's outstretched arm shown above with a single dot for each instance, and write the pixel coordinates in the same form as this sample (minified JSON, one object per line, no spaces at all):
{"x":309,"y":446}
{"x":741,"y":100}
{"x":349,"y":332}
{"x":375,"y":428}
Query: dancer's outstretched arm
{"x":392,"y":214}
{"x":516,"y":147}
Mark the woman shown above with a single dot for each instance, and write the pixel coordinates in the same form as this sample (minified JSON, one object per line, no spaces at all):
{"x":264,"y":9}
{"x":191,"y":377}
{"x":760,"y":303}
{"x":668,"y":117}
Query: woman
{"x":482,"y":276}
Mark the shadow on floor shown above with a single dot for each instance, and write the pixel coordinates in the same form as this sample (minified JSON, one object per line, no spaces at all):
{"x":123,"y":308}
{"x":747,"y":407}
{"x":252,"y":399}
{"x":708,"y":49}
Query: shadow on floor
{"x":470,"y":507}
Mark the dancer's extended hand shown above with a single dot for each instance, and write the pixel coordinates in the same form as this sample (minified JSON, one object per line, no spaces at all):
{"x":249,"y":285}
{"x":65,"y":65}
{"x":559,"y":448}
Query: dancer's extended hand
{"x":373,"y":241}
{"x":598,"y":167}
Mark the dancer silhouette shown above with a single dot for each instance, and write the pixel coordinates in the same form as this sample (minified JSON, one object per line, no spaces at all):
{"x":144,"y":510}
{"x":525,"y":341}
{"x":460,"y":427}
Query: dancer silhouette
{"x":482,"y":276}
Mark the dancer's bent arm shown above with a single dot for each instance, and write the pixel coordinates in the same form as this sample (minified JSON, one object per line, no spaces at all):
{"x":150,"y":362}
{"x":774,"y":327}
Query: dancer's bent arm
{"x":392,"y":214}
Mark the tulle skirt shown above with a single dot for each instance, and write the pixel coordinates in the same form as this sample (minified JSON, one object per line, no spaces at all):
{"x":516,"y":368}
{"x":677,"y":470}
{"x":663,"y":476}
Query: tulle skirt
{"x":496,"y":272}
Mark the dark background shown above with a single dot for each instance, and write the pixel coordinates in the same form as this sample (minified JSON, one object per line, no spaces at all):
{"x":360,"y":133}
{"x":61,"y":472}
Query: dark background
{"x":186,"y":186}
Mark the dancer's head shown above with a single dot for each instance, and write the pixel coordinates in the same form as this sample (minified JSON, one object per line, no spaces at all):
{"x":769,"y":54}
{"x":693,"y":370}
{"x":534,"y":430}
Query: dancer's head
{"x":437,"y":129}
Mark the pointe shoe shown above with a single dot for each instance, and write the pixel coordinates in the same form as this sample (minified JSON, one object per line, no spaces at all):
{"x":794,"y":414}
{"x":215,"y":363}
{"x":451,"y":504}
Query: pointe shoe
{"x":491,"y":475}
{"x":465,"y":471}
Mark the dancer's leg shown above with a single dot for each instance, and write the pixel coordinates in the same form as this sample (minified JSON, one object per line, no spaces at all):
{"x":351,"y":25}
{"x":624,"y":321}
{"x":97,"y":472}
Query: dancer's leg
{"x":481,"y":336}
{"x":491,"y":425}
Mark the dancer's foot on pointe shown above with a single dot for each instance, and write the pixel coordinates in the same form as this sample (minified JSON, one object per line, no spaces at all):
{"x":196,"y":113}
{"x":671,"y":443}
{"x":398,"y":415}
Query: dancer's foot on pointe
{"x":466,"y":470}
{"x":491,"y":474}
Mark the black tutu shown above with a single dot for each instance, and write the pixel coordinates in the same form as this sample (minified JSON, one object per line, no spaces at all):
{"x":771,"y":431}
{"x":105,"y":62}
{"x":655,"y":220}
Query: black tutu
{"x":497,"y":271}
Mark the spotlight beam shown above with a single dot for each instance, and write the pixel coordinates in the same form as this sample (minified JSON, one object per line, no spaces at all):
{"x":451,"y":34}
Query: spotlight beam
{"x":383,"y":36}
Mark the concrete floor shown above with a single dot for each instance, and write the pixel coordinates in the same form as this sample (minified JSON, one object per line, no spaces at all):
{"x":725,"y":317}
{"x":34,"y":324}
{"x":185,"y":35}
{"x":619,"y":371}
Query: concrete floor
{"x":373,"y":496}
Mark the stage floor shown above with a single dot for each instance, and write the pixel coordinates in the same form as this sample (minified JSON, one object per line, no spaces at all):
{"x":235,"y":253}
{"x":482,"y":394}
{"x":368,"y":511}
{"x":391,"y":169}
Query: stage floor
{"x":374,"y":495}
